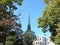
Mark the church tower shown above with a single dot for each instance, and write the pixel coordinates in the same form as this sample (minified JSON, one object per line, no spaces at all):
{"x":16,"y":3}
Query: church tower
{"x":29,"y":25}
{"x":29,"y":35}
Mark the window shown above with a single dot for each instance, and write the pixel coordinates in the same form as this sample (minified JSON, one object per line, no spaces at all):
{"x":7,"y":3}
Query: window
{"x":36,"y":42}
{"x":40,"y":42}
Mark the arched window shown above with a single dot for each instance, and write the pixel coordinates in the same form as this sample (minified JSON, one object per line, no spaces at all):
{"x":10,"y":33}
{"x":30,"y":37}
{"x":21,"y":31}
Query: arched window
{"x":36,"y":42}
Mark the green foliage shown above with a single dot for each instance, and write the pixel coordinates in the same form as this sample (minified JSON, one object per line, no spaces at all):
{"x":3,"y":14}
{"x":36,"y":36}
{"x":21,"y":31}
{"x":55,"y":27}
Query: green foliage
{"x":29,"y":36}
{"x":7,"y":17}
{"x":10,"y":40}
{"x":51,"y":19}
{"x":10,"y":1}
{"x":46,"y":1}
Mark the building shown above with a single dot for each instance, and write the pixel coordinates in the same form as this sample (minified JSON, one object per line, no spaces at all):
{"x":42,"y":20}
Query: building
{"x":41,"y":40}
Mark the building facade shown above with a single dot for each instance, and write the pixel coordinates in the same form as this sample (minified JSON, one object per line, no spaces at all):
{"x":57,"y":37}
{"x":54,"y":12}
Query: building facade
{"x":40,"y":40}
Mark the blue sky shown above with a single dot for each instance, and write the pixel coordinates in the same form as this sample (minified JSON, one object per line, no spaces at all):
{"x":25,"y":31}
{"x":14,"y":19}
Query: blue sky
{"x":35,"y":9}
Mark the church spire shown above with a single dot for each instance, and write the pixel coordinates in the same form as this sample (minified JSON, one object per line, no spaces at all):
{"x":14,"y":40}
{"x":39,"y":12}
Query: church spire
{"x":29,"y":25}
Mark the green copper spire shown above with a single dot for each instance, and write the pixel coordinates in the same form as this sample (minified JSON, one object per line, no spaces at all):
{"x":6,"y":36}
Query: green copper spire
{"x":29,"y":25}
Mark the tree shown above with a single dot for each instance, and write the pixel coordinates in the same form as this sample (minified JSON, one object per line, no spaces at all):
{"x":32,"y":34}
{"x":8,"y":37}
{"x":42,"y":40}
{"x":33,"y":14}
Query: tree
{"x":28,"y":37}
{"x":15,"y":35}
{"x":51,"y":19}
{"x":19,"y":33}
{"x":7,"y":17}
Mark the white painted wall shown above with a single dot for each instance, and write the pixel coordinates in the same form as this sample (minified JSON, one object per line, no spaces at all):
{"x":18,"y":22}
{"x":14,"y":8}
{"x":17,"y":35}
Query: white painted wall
{"x":40,"y":40}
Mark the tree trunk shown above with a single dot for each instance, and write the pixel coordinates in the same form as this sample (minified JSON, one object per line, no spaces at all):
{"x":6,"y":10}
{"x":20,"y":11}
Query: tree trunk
{"x":4,"y":40}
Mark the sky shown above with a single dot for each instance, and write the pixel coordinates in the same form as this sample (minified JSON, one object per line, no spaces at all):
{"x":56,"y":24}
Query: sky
{"x":35,"y":9}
